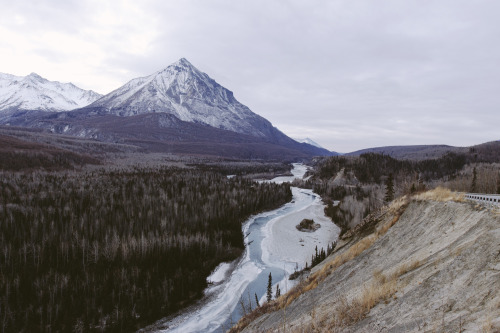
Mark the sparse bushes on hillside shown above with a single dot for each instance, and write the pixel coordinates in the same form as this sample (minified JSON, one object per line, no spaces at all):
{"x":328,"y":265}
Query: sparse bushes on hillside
{"x":487,"y":178}
{"x":353,"y":207}
{"x":357,"y":182}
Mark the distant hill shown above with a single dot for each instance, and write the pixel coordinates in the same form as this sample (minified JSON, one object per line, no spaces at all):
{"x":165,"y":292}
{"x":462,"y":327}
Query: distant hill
{"x":485,"y":152}
{"x":418,"y":152}
{"x":18,"y":154}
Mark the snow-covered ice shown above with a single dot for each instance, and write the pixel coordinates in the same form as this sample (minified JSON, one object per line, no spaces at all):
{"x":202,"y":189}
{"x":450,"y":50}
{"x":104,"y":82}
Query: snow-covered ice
{"x":285,"y":244}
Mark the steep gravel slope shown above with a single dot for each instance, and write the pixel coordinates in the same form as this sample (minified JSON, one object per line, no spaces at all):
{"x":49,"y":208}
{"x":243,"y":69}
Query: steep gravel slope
{"x":437,"y":269}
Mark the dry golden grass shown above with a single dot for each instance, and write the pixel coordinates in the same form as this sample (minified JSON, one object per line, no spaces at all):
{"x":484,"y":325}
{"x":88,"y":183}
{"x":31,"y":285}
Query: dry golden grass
{"x":348,"y":312}
{"x":407,"y":267}
{"x":440,"y":194}
{"x":381,"y":288}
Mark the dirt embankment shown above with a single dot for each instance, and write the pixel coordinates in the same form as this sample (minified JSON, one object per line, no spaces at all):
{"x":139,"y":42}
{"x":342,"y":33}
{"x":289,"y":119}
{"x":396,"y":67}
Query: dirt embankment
{"x":419,"y":266}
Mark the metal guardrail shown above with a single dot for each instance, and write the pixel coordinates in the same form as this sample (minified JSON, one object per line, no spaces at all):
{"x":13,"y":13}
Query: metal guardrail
{"x":491,"y":199}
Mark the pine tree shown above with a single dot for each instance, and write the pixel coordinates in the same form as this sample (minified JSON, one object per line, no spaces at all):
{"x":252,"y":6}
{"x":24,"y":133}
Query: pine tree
{"x":498,"y":183}
{"x":278,"y":292}
{"x":389,"y":192}
{"x":270,"y":288}
{"x":474,"y":181}
{"x":257,"y":300}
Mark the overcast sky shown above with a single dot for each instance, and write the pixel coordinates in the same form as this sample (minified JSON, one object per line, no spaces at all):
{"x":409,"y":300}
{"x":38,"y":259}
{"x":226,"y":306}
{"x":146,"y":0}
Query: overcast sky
{"x":348,"y":74}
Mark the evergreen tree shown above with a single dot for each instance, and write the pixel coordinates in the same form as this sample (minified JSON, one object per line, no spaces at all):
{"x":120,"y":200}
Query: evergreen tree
{"x":498,"y":183}
{"x":257,"y":300}
{"x":278,"y":292}
{"x":389,"y":191}
{"x":474,"y":181}
{"x":421,"y":185}
{"x":270,"y":288}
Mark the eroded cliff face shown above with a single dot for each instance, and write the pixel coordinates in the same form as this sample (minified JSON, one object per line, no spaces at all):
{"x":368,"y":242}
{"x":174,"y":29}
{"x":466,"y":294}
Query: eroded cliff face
{"x":419,"y":266}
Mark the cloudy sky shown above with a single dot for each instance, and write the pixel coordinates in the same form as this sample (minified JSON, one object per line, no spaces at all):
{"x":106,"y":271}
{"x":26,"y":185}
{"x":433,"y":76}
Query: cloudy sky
{"x":350,"y":74}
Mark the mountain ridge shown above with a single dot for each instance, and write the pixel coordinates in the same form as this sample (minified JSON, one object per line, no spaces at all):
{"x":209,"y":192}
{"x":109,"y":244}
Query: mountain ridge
{"x":309,"y":141}
{"x":33,"y":92}
{"x":178,"y":109}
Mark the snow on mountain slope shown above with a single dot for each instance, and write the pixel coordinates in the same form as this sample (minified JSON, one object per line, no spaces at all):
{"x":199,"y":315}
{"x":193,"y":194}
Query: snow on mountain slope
{"x":32,"y":92}
{"x":190,"y":95}
{"x":308,"y":141}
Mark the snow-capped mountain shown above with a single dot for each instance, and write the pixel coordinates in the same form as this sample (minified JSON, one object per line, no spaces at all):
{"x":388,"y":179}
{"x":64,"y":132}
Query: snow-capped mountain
{"x":309,"y":142}
{"x":178,"y":110}
{"x":32,"y":92}
{"x":188,"y":94}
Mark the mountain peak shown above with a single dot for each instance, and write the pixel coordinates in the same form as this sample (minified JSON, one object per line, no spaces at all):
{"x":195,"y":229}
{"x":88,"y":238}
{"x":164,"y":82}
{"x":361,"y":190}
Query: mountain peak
{"x":180,"y":66}
{"x":183,"y":62}
{"x":35,"y":77}
{"x":187,"y":93}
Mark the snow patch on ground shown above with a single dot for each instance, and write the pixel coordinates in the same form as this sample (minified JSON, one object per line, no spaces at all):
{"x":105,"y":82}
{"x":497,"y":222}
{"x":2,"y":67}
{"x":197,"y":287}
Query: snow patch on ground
{"x":284,"y":243}
{"x":220,"y":273}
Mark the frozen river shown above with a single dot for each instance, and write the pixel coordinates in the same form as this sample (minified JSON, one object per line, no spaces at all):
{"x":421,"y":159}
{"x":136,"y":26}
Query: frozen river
{"x":273,"y":245}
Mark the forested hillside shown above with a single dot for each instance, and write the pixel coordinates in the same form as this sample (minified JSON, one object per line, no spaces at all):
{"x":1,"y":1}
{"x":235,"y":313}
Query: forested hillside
{"x":363,"y":184}
{"x":115,"y":250}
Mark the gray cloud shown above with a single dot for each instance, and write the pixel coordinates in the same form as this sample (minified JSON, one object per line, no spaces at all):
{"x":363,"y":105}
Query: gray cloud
{"x":348,"y":74}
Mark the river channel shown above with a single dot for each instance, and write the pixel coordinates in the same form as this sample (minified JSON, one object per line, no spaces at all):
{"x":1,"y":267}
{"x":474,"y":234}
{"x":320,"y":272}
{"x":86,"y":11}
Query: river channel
{"x":273,"y":245}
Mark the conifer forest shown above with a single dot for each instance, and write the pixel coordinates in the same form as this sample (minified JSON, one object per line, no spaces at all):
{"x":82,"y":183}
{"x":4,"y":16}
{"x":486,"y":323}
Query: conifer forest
{"x":114,"y":250}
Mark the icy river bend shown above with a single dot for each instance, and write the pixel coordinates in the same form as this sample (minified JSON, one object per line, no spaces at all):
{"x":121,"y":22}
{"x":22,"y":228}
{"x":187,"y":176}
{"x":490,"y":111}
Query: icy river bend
{"x":273,"y":245}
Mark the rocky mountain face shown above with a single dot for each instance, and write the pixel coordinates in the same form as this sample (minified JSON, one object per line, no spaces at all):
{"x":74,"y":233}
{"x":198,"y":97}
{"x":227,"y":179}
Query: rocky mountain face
{"x":188,"y":94}
{"x":176,"y":110}
{"x":32,"y":92}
